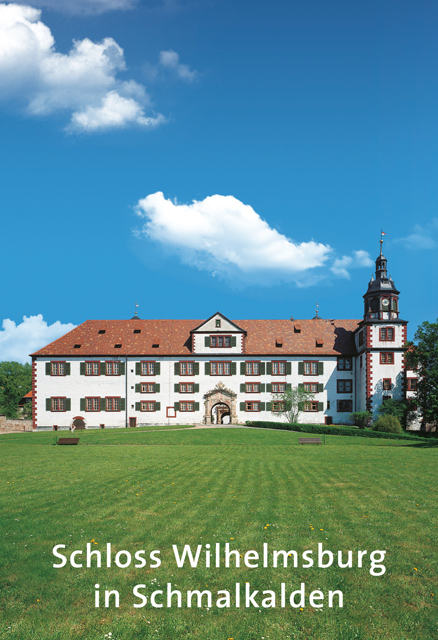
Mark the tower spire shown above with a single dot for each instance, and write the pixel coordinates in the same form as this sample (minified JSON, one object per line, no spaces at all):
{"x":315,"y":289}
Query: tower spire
{"x":382,"y":233}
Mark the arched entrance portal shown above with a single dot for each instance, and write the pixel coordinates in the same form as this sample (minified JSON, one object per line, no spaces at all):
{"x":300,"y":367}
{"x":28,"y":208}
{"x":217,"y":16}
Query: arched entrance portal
{"x":220,"y":403}
{"x":78,"y":422}
{"x":220,"y":413}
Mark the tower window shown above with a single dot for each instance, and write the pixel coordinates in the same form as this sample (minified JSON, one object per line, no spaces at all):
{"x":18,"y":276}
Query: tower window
{"x":386,"y":357}
{"x":387,"y":334}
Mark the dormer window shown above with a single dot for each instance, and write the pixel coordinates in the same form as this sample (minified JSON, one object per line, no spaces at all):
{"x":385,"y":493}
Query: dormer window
{"x":101,"y":331}
{"x":137,"y":330}
{"x":220,"y":341}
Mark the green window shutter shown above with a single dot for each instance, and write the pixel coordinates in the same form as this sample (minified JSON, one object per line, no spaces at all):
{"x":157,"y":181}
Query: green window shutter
{"x":176,"y":387}
{"x":157,"y":406}
{"x":102,"y":368}
{"x":262,"y":367}
{"x":138,"y":368}
{"x":233,"y":341}
{"x":67,"y":368}
{"x":122,"y":404}
{"x":196,"y":406}
{"x":157,"y":368}
{"x":269,"y":388}
{"x":320,"y":368}
{"x":288,"y":368}
{"x":233,"y":368}
{"x":207,"y":368}
{"x":300,"y":386}
{"x":82,"y":368}
{"x":137,"y":387}
{"x":262,"y":388}
{"x":320,"y":387}
{"x":122,"y":368}
{"x":242,"y":387}
{"x":176,"y":406}
{"x":103,"y":404}
{"x":196,"y":388}
{"x":269,"y":406}
{"x":242,"y":406}
{"x":196,"y":368}
{"x":48,"y":403}
{"x":138,"y":406}
{"x":262,"y":406}
{"x":301,"y":406}
{"x":288,"y":386}
{"x":48,"y":368}
{"x":82,"y":404}
{"x":176,"y":368}
{"x":242,"y":368}
{"x":269,"y":368}
{"x":157,"y":388}
{"x":207,"y":341}
{"x":320,"y":406}
{"x":301,"y":368}
{"x":68,"y":404}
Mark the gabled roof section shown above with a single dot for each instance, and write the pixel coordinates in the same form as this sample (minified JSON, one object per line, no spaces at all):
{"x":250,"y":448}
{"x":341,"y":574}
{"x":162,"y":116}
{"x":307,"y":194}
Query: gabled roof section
{"x":154,"y":338}
{"x":225,"y":326}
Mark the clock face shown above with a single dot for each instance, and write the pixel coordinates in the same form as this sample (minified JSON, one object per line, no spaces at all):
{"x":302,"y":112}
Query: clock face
{"x":385,"y":302}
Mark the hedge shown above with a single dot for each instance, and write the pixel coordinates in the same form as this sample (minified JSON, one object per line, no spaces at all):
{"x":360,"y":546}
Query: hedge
{"x":330,"y":430}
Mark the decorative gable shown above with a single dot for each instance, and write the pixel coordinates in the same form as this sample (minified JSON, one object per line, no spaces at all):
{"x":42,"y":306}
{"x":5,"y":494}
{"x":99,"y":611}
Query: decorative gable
{"x":217,"y":335}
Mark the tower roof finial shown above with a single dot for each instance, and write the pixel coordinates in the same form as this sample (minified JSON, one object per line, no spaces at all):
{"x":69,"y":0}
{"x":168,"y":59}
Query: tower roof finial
{"x":382,"y":233}
{"x":135,"y":316}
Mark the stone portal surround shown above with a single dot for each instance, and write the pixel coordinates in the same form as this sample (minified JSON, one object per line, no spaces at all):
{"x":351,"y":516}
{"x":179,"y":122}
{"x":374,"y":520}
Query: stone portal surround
{"x":220,"y":395}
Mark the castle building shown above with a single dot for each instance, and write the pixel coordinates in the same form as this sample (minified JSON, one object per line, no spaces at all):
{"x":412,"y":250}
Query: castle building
{"x":116,"y":373}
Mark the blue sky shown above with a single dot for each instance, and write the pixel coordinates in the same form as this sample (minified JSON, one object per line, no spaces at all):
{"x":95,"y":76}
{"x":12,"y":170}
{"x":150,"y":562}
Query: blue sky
{"x":283,"y":137}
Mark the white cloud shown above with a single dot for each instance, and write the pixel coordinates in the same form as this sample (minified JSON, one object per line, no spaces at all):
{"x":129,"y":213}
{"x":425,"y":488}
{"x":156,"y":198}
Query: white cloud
{"x":83,"y":82}
{"x":226,"y":237}
{"x":421,"y":236}
{"x":358,"y":259}
{"x":17,"y":341}
{"x":170,"y":60}
{"x":82,"y":7}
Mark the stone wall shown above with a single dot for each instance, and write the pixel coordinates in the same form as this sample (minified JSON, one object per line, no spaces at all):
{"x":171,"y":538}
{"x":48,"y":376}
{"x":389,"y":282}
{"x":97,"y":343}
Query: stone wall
{"x":7,"y":425}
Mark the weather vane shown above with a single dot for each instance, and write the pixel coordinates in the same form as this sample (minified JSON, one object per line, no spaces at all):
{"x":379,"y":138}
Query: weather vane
{"x":136,"y":305}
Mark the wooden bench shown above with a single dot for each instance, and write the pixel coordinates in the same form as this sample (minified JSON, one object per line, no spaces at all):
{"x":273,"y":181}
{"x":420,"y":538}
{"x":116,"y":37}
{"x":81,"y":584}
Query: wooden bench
{"x":310,"y":441}
{"x":68,"y":441}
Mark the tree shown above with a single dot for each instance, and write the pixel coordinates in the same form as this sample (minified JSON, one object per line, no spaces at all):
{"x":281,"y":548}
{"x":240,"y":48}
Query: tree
{"x":361,"y":419}
{"x":15,"y":382}
{"x":290,"y":403}
{"x":422,"y":356}
{"x":401,"y":409}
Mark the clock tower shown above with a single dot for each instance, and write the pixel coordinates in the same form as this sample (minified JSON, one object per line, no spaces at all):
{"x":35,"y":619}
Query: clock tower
{"x":381,"y":298}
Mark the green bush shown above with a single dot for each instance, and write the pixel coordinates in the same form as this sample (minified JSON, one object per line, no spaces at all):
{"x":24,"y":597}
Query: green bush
{"x":330,"y":430}
{"x":387,"y":424}
{"x":361,"y":418}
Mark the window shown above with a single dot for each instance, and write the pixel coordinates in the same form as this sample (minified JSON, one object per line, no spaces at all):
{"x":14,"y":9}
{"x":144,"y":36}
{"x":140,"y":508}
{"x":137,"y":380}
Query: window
{"x":58,"y":404}
{"x":387,"y":334}
{"x":277,"y":406}
{"x":147,"y":387}
{"x":278,"y":387}
{"x":148,"y":368}
{"x":58,"y":369}
{"x":311,"y":406}
{"x":345,"y":406}
{"x":92,"y":368}
{"x":147,"y":405}
{"x":221,"y":368}
{"x":113,"y":404}
{"x":312,"y":387}
{"x":186,"y":406}
{"x":112,"y":368}
{"x":252,"y":387}
{"x":252,"y":368}
{"x":411,"y":384}
{"x":344,"y":364}
{"x":186,"y":387}
{"x":218,"y":323}
{"x":386,"y":357}
{"x":345,"y":386}
{"x":220,"y":341}
{"x":360,"y":338}
{"x":92,"y":404}
{"x":252,"y":406}
{"x":310,"y":368}
{"x":186,"y":368}
{"x":278,"y":368}
{"x":387,"y":384}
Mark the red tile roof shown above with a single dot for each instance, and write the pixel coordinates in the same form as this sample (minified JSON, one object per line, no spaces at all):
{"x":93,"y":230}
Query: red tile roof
{"x":99,"y":337}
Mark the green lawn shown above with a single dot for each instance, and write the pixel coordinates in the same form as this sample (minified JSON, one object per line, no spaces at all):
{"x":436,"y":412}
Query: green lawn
{"x":152,"y":489}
